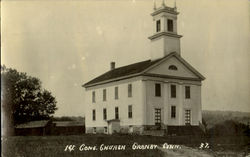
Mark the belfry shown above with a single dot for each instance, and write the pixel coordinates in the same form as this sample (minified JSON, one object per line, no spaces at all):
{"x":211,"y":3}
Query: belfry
{"x":165,"y":38}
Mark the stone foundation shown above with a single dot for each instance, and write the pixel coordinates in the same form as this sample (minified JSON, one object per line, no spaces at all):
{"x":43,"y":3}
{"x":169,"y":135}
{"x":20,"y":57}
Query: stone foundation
{"x":155,"y":127}
{"x":129,"y":129}
{"x":88,"y":130}
{"x":153,"y":130}
{"x":99,"y":130}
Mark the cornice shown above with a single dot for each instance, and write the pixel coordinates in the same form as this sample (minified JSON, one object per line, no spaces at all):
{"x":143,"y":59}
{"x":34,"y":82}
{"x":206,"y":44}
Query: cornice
{"x":164,"y":34}
{"x":166,"y":10}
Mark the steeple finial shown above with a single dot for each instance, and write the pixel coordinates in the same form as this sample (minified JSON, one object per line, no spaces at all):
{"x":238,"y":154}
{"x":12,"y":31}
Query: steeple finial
{"x":175,"y":7}
{"x":154,"y":5}
{"x":163,"y":3}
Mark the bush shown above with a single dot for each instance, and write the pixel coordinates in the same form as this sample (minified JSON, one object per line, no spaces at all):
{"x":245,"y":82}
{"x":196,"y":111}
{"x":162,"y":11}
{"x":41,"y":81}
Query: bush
{"x":229,"y":128}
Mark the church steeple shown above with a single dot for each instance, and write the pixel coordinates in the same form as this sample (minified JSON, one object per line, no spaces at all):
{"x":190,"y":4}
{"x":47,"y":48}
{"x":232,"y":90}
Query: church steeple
{"x":165,"y":38}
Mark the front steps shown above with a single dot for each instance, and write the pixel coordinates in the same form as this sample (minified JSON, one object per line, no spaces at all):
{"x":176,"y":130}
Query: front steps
{"x":175,"y":131}
{"x":154,"y":132}
{"x":184,"y":130}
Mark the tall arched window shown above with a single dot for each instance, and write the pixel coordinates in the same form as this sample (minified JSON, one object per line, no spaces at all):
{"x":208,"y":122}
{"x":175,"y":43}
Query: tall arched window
{"x":172,"y":67}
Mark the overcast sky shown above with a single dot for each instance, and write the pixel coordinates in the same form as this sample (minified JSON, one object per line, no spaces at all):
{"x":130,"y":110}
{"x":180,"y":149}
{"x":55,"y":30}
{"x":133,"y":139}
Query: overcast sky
{"x":67,"y":43}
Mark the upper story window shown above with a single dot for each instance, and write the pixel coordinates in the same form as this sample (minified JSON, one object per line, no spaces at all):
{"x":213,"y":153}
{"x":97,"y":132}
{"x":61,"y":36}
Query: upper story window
{"x":158,"y":25}
{"x":172,"y":67}
{"x":129,"y":90}
{"x":173,"y":91}
{"x":104,"y":94}
{"x":104,"y":114}
{"x":116,"y":113}
{"x":170,"y":25}
{"x":116,"y":92}
{"x":187,"y":92}
{"x":130,"y":113}
{"x":93,"y":96}
{"x":158,"y":89}
{"x":93,"y":115}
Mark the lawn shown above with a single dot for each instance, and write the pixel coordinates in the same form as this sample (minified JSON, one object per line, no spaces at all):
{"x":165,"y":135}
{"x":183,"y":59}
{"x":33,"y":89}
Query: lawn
{"x":54,"y":146}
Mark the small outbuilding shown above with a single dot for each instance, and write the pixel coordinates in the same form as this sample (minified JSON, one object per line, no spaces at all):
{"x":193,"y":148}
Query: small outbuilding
{"x":113,"y":126}
{"x":68,"y":128}
{"x":34,"y":128}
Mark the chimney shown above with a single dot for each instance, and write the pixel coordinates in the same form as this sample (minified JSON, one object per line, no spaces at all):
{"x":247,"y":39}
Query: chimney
{"x":112,"y":65}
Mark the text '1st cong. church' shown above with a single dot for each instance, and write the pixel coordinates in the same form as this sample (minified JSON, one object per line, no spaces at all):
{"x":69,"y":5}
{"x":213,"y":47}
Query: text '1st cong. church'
{"x":158,"y":94}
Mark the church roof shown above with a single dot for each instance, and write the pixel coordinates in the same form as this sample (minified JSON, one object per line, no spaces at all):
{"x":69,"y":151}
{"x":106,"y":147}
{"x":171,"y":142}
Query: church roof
{"x":123,"y":71}
{"x":135,"y":70}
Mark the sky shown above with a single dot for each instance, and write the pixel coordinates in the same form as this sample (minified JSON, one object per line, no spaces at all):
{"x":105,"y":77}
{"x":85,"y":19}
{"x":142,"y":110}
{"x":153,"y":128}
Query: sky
{"x":67,"y":43}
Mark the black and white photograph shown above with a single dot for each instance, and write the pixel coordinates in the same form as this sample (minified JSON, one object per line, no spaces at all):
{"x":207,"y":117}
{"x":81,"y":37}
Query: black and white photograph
{"x":108,"y":78}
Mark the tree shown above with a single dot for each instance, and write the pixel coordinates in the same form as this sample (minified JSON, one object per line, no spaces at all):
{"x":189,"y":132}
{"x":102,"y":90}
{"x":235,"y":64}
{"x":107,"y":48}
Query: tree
{"x":23,"y":98}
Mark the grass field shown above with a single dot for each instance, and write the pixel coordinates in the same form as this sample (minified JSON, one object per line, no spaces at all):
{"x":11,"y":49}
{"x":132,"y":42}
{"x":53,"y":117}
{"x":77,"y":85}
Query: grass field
{"x":53,"y":146}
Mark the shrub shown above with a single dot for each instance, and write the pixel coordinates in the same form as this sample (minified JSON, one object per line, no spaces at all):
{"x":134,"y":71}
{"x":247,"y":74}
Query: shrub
{"x":229,"y":128}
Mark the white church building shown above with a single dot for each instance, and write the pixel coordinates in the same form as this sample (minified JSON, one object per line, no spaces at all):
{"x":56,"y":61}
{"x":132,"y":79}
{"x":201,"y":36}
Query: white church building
{"x":149,"y":95}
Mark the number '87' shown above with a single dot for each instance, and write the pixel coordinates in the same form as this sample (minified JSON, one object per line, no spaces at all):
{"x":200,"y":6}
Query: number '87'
{"x":204,"y":145}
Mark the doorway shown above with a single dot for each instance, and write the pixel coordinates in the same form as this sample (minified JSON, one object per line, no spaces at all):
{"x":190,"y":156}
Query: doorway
{"x":158,"y":117}
{"x":188,"y":117}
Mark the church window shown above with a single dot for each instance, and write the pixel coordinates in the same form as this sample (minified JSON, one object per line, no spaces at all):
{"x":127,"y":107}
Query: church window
{"x":104,"y":95}
{"x":129,"y":90}
{"x":130,"y":114}
{"x":173,"y":91}
{"x":187,"y":92}
{"x":116,"y":92}
{"x":158,"y":89}
{"x":173,"y":111}
{"x":170,"y":25}
{"x":93,"y":96}
{"x":172,"y":67}
{"x":93,"y":115}
{"x":116,"y":113}
{"x":104,"y":114}
{"x":158,"y":25}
